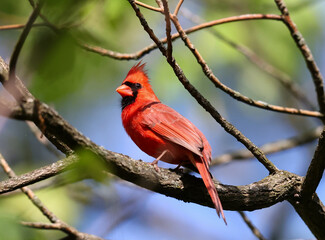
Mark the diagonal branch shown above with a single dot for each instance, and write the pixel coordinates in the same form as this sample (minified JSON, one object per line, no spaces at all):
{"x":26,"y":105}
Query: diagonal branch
{"x":269,"y":148}
{"x":254,"y":230}
{"x":168,"y":30}
{"x":315,"y":170}
{"x":12,"y":85}
{"x":259,"y":62}
{"x":304,"y":49}
{"x":234,"y":94}
{"x":179,"y":4}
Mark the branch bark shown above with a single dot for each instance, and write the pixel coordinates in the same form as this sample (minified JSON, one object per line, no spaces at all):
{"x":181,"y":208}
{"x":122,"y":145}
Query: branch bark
{"x":274,"y":188}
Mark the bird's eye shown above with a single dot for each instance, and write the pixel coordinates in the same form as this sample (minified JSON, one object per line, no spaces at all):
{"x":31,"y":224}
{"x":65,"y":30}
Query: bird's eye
{"x":138,"y":86}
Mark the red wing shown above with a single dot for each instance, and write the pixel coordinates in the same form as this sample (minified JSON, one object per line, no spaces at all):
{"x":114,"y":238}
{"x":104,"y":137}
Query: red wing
{"x":172,"y":126}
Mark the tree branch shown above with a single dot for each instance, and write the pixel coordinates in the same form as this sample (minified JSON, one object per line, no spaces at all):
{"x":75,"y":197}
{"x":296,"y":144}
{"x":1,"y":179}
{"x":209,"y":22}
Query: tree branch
{"x":151,"y":47}
{"x":271,"y":147}
{"x":259,"y":62}
{"x":168,"y":30}
{"x":312,"y":212}
{"x":315,"y":170}
{"x":267,"y":192}
{"x":149,"y":7}
{"x":304,"y":49}
{"x":254,"y":230}
{"x":20,"y":26}
{"x":234,"y":94}
{"x":12,"y":86}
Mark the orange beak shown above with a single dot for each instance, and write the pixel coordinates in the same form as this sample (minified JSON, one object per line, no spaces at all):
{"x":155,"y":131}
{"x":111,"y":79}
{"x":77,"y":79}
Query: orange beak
{"x":124,"y":90}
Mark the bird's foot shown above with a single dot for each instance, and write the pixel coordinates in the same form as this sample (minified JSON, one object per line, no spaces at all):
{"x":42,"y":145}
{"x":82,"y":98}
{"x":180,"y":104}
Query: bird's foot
{"x":155,"y":165}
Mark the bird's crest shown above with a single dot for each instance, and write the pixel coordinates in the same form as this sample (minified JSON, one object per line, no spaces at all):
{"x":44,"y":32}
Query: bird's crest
{"x":137,"y":73}
{"x":139,"y":67}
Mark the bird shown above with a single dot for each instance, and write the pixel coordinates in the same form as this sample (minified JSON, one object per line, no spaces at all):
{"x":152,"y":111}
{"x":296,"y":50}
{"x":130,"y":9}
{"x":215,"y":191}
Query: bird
{"x":162,"y":132}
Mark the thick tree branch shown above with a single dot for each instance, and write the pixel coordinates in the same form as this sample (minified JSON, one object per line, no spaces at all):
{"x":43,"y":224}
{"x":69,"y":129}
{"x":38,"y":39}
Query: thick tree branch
{"x":312,"y":212}
{"x":267,"y":192}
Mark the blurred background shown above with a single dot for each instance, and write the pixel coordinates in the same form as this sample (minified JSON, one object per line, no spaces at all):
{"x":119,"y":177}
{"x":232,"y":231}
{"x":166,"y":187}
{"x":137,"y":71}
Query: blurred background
{"x":81,"y":85}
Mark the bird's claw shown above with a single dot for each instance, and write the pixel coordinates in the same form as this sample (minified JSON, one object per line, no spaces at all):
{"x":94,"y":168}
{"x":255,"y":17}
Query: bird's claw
{"x":155,"y":166}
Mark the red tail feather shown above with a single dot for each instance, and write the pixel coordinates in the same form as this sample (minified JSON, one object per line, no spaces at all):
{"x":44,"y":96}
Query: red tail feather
{"x":209,"y":184}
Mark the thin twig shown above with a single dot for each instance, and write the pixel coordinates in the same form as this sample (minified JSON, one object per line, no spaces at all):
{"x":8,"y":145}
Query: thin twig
{"x":269,"y":148}
{"x":234,"y":94}
{"x":40,"y":225}
{"x":61,"y":227}
{"x":14,"y":57}
{"x":204,"y":102}
{"x":149,"y":7}
{"x":178,"y":7}
{"x":20,"y":26}
{"x":308,"y":57}
{"x":266,"y":67}
{"x":168,"y":30}
{"x":151,"y":47}
{"x":254,"y":230}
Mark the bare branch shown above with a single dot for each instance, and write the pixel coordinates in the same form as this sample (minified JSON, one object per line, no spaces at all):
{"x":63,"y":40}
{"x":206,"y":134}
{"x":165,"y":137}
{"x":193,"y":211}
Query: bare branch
{"x":308,"y":210}
{"x":179,"y":4}
{"x":254,"y":230}
{"x":315,"y":170}
{"x":304,"y":49}
{"x":20,"y":26}
{"x":168,"y":30}
{"x":267,"y":192}
{"x":149,"y":48}
{"x":271,"y":147}
{"x":149,"y":7}
{"x":11,"y":85}
{"x":259,"y":62}
{"x":61,"y":227}
{"x":234,"y":94}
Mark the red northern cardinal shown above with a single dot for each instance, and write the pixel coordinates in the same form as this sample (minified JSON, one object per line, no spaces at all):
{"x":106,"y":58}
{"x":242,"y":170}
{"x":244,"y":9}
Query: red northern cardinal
{"x":163,"y":133}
